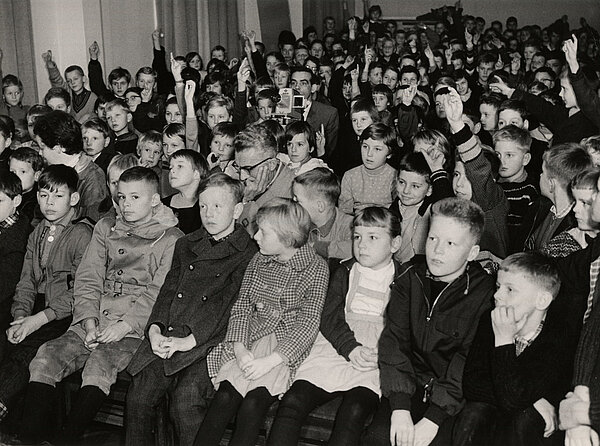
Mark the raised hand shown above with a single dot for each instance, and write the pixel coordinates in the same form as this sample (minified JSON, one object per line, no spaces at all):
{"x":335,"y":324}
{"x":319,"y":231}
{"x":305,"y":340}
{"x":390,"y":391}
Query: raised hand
{"x":570,"y":49}
{"x":320,"y":138}
{"x":176,"y":67}
{"x":94,"y":50}
{"x":47,"y":57}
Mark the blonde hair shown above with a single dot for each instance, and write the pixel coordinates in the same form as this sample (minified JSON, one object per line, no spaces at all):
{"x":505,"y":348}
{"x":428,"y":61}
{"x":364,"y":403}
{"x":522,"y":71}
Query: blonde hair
{"x":289,"y":221}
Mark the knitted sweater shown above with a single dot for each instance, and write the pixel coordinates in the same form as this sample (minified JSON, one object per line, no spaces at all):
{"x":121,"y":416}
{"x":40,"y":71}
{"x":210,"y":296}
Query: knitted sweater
{"x":362,"y":187}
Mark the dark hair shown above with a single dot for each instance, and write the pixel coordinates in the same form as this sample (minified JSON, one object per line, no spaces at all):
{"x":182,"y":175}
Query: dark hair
{"x":385,"y":90}
{"x":546,"y":70}
{"x":10,"y":80}
{"x":365,"y":105}
{"x":464,"y":211}
{"x":174,"y":129}
{"x":58,"y":175}
{"x":410,"y":69}
{"x":5,"y":129}
{"x":118,"y":102}
{"x":228,"y":129}
{"x":379,"y":131}
{"x":220,"y":179}
{"x":277,"y":131}
{"x":415,"y":162}
{"x":60,"y":93}
{"x":493,"y":99}
{"x":119,"y":73}
{"x":487,"y":57}
{"x":97,"y":124}
{"x":38,"y":110}
{"x":314,"y":79}
{"x":189,"y":56}
{"x":378,"y":217}
{"x":28,"y":155}
{"x":587,"y":179}
{"x":320,"y":181}
{"x":72,"y":68}
{"x":515,"y":105}
{"x":540,"y":269}
{"x":58,"y":128}
{"x":10,"y":185}
{"x":301,"y":128}
{"x":139,"y":173}
{"x":195,"y":159}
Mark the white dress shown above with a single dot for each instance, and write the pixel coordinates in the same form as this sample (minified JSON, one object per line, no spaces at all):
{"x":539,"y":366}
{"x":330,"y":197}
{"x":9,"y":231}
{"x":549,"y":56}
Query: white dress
{"x":367,"y":298}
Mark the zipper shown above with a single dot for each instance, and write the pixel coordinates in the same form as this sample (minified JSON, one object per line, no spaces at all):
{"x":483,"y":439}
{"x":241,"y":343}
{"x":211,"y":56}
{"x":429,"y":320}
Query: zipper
{"x":436,"y":300}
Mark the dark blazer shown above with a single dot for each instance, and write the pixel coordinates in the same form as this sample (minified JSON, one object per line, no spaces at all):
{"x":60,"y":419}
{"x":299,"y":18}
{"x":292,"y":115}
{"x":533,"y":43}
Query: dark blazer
{"x":13,"y":244}
{"x":197,"y":296}
{"x":327,"y":115}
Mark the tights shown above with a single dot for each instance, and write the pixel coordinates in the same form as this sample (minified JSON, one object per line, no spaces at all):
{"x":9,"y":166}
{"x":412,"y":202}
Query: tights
{"x":357,"y":404}
{"x":228,"y":402}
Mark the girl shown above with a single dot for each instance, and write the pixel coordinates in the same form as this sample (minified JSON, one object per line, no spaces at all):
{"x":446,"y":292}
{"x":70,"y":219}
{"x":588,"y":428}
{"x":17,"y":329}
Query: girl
{"x":343,"y":360}
{"x":172,"y":113}
{"x":301,"y":142}
{"x":383,"y":100}
{"x":272,"y":326}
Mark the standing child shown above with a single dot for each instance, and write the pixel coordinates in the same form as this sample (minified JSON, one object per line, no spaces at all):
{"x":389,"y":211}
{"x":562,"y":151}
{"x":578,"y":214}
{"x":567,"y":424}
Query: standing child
{"x":12,"y":105}
{"x":97,"y":142}
{"x":371,"y":184}
{"x":190,"y":316}
{"x":43,"y":302}
{"x":116,"y":286}
{"x":302,"y":142}
{"x":187,"y":169}
{"x":272,"y":325}
{"x":343,"y":360}
{"x":119,"y":117}
{"x":27,"y":164}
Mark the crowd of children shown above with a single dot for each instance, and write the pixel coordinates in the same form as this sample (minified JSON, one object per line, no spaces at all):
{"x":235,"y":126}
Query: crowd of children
{"x":416,"y":239}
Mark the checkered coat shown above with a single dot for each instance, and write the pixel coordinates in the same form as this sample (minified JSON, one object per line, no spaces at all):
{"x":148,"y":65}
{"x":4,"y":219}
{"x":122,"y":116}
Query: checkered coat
{"x":281,"y":298}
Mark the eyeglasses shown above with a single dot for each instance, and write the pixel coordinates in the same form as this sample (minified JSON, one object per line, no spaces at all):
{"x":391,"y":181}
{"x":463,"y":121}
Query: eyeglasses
{"x":247,"y":169}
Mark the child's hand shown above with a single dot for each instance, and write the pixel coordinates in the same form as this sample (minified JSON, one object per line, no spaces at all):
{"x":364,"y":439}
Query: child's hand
{"x":243,"y":74}
{"x":320,"y":140}
{"x":213,"y":160}
{"x":114,"y":332}
{"x":454,"y":109}
{"x":91,"y":339}
{"x":505,"y":325}
{"x":499,"y":85}
{"x":176,"y":67}
{"x":178,"y":345}
{"x":14,"y":332}
{"x":548,"y":413}
{"x":408,"y":94}
{"x":435,"y":159}
{"x":26,"y":326}
{"x":402,"y":429}
{"x":361,"y":359}
{"x":94,"y":50}
{"x":425,"y":432}
{"x":157,"y":341}
{"x":157,"y":34}
{"x":570,"y":50}
{"x":190,"y":89}
{"x":47,"y":57}
{"x":259,"y":367}
{"x":581,"y":436}
{"x":573,"y":411}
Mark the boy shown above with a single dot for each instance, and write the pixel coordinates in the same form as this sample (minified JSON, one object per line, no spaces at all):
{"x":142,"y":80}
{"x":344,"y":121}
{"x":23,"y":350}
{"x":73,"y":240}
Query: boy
{"x":118,"y":79}
{"x":11,"y":104}
{"x":553,"y":212}
{"x":221,"y":153}
{"x":33,"y":114}
{"x":520,"y":364}
{"x":14,"y":230}
{"x":96,"y":142}
{"x":57,"y":98}
{"x":173,"y":140}
{"x":434,"y":307}
{"x":318,"y":191}
{"x":150,"y":113}
{"x":184,"y":325}
{"x":43,"y":299}
{"x":27,"y":164}
{"x":109,"y":207}
{"x":5,"y":142}
{"x":59,"y":137}
{"x":488,"y":108}
{"x":118,"y":117}
{"x":149,"y":150}
{"x":116,"y":286}
{"x":512,"y":144}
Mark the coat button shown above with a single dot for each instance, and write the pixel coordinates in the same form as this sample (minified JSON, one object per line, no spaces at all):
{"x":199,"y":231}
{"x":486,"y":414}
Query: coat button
{"x":204,"y":298}
{"x":121,"y":251}
{"x":105,"y":312}
{"x":191,"y":267}
{"x":179,"y":295}
{"x":218,"y":275}
{"x":120,"y":272}
{"x":170,"y":329}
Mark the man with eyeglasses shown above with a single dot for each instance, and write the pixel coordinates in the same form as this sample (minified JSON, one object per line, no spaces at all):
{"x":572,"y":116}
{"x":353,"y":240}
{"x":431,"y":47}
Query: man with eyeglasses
{"x":264,"y":176}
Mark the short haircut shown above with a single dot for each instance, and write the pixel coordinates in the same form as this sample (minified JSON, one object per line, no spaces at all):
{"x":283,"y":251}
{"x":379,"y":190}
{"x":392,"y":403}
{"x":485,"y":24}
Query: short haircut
{"x":278,"y":131}
{"x":38,"y":110}
{"x":591,"y":143}
{"x":174,"y":129}
{"x":10,"y":80}
{"x":320,"y":181}
{"x":415,"y":162}
{"x":537,"y":267}
{"x":119,"y":73}
{"x":487,"y":57}
{"x":136,"y":90}
{"x":586,"y":180}
{"x":228,"y":129}
{"x":314,"y":79}
{"x":444,"y":81}
{"x":378,"y":217}
{"x":28,"y":155}
{"x":491,"y":98}
{"x":58,"y":175}
{"x":549,"y":71}
{"x":514,"y":105}
{"x":564,"y":161}
{"x":283,"y":67}
{"x":146,"y":70}
{"x":385,"y":90}
{"x":5,"y":129}
{"x":97,"y":124}
{"x":194,"y":158}
{"x":149,"y":138}
{"x":220,"y":101}
{"x":270,"y":94}
{"x":289,"y":221}
{"x":264,"y":82}
{"x":122,"y":163}
{"x":301,"y":128}
{"x":222,"y":180}
{"x":139,"y":173}
{"x":72,"y":68}
{"x":10,"y":185}
{"x":58,"y":128}
{"x":516,"y":135}
{"x":118,"y":102}
{"x":58,"y":93}
{"x":376,"y":65}
{"x":257,"y":137}
{"x":365,"y":105}
{"x":464,"y":212}
{"x":379,"y":131}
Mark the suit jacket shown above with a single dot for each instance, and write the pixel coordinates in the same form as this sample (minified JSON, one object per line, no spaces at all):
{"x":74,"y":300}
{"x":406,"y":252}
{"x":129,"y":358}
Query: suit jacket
{"x":327,"y":115}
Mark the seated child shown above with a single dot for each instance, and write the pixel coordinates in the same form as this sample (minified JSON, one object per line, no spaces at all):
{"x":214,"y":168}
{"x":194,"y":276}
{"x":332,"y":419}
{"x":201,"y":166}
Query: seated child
{"x":116,"y":286}
{"x":512,"y":145}
{"x":430,"y":322}
{"x":149,"y":151}
{"x":583,"y":188}
{"x":190,"y":316}
{"x":119,"y":117}
{"x":187,"y":170}
{"x":6,"y":136}
{"x":384,"y":102}
{"x":592,"y":145}
{"x":318,"y":191}
{"x":109,"y":207}
{"x":172,"y":113}
{"x":412,"y":205}
{"x":27,"y":164}
{"x":97,"y":142}
{"x":272,"y":326}
{"x":57,"y":98}
{"x":14,"y":231}
{"x":372,"y":183}
{"x":11,"y":105}
{"x":520,"y":362}
{"x":34,"y":112}
{"x":221,"y":154}
{"x":60,"y":140}
{"x":43,"y":301}
{"x":301,"y":143}
{"x":173,"y":139}
{"x":343,"y":359}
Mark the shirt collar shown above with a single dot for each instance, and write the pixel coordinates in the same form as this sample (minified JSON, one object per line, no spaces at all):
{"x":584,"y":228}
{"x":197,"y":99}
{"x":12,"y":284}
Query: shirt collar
{"x":10,"y":221}
{"x":299,"y":261}
{"x":563,"y":212}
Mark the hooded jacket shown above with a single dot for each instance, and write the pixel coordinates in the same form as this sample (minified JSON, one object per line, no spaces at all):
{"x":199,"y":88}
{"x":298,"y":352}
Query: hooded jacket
{"x":123,"y":269}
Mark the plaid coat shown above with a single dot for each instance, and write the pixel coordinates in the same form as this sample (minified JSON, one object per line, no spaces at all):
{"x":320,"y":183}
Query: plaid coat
{"x":281,"y":298}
